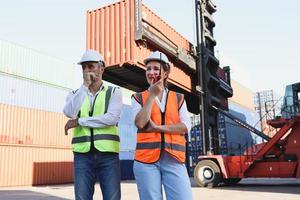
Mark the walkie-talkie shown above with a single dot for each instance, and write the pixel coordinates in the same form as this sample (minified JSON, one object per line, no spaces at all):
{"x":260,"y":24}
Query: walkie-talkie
{"x":157,"y":78}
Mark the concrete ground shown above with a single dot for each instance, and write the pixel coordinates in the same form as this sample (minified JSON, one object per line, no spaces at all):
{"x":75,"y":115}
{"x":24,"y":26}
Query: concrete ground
{"x":247,"y":189}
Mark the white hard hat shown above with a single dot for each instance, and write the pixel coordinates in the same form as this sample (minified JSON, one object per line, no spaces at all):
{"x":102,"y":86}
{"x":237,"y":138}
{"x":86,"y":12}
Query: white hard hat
{"x":157,"y":56}
{"x":92,"y":56}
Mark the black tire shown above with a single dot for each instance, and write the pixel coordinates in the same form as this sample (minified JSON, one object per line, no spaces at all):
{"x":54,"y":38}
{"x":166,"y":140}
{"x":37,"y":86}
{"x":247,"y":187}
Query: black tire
{"x":207,"y":174}
{"x":231,"y":181}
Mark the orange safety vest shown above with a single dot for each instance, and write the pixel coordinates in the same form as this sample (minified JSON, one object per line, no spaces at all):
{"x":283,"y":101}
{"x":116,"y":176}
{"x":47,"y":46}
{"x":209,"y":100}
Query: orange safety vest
{"x":150,"y":145}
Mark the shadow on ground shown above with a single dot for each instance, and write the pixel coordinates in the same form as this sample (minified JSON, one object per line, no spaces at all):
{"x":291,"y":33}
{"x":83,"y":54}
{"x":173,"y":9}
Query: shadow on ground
{"x":26,"y":195}
{"x":284,"y":186}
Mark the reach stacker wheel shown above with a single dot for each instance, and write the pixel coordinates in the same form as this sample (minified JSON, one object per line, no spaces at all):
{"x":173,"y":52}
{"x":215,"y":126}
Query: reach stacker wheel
{"x":207,"y":174}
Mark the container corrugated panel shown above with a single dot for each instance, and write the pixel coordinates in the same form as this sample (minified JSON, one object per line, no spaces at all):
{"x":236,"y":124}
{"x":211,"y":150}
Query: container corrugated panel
{"x":242,"y":95}
{"x":250,"y":116}
{"x":29,"y":165}
{"x":47,"y":128}
{"x":127,"y":129}
{"x":24,"y":62}
{"x":110,"y":30}
{"x":19,"y":125}
{"x":127,"y":136}
{"x":35,"y":140}
{"x":31,"y":94}
{"x":157,"y":25}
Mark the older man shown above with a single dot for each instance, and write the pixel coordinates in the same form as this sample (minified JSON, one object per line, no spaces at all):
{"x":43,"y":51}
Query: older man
{"x":94,"y":110}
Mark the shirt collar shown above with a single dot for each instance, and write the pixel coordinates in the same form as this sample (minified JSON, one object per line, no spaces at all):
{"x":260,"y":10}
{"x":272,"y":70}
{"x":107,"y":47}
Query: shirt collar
{"x":100,"y":89}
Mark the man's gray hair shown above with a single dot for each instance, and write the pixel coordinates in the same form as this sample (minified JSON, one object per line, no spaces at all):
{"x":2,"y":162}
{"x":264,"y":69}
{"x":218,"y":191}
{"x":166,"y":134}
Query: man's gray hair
{"x":101,"y":64}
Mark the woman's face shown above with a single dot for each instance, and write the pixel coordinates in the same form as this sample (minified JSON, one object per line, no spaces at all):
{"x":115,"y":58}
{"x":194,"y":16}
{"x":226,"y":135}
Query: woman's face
{"x":152,"y":71}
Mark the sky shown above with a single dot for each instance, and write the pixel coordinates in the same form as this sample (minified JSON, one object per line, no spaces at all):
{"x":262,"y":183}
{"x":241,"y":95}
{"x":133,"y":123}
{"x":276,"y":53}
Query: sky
{"x":258,"y":39}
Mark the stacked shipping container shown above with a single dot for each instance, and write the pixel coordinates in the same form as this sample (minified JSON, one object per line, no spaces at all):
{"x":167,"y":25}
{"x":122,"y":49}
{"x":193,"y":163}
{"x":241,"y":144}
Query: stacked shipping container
{"x":31,"y":119}
{"x":32,"y":65}
{"x":193,"y":144}
{"x":33,"y":147}
{"x":194,"y":141}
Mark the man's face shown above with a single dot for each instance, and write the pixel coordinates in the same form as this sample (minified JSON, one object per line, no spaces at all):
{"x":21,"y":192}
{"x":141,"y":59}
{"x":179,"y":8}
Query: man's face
{"x":93,"y":67}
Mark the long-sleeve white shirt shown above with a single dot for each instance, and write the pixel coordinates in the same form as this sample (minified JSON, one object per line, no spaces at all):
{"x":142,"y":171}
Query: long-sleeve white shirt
{"x":75,"y":99}
{"x":183,"y":112}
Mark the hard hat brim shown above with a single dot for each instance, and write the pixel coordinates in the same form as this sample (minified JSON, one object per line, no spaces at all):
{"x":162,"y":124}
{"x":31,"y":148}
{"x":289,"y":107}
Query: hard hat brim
{"x":83,"y":61}
{"x":153,"y":59}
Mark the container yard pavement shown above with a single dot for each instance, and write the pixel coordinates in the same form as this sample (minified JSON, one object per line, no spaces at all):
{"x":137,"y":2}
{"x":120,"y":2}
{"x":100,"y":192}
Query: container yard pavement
{"x":248,"y":189}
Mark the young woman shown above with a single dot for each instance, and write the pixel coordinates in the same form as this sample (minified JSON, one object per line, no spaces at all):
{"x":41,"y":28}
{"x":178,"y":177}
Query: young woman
{"x":162,"y":120}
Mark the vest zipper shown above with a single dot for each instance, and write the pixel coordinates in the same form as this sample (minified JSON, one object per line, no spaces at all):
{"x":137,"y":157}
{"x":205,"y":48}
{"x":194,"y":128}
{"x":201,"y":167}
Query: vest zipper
{"x":163,"y":121}
{"x":92,"y":147}
{"x":163,"y":133}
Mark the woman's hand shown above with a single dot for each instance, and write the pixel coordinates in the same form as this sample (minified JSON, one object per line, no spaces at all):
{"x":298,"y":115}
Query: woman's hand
{"x":150,"y":127}
{"x":156,"y":88}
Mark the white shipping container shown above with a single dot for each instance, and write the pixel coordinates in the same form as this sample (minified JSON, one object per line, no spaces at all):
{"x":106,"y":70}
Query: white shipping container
{"x":31,"y":94}
{"x":25,"y":62}
{"x":127,"y":129}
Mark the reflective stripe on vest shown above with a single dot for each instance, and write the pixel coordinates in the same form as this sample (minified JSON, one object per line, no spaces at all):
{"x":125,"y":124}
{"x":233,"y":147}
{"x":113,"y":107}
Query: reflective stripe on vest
{"x":105,"y":139}
{"x":149,"y":145}
{"x":155,"y":145}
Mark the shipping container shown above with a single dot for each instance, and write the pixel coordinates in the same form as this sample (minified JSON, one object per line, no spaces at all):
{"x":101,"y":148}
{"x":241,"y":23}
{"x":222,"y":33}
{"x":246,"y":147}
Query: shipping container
{"x":126,"y":32}
{"x":193,"y":145}
{"x":239,"y":138}
{"x":194,"y":141}
{"x":23,"y":164}
{"x":19,"y":125}
{"x":35,"y":140}
{"x":127,"y":129}
{"x":39,"y":145}
{"x":47,"y":128}
{"x":27,"y":93}
{"x":27,"y":63}
{"x":26,"y":124}
{"x":242,"y":95}
{"x":222,"y":134}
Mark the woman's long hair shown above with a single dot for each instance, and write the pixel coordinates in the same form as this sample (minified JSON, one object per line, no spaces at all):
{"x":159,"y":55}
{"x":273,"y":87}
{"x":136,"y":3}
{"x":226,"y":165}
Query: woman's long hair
{"x":166,"y":68}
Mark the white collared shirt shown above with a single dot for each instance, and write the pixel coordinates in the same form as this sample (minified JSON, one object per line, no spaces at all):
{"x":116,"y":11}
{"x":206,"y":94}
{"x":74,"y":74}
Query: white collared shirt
{"x":75,"y":99}
{"x":183,"y":112}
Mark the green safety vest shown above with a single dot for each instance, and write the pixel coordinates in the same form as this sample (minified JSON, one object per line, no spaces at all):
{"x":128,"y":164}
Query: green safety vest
{"x":106,"y":139}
